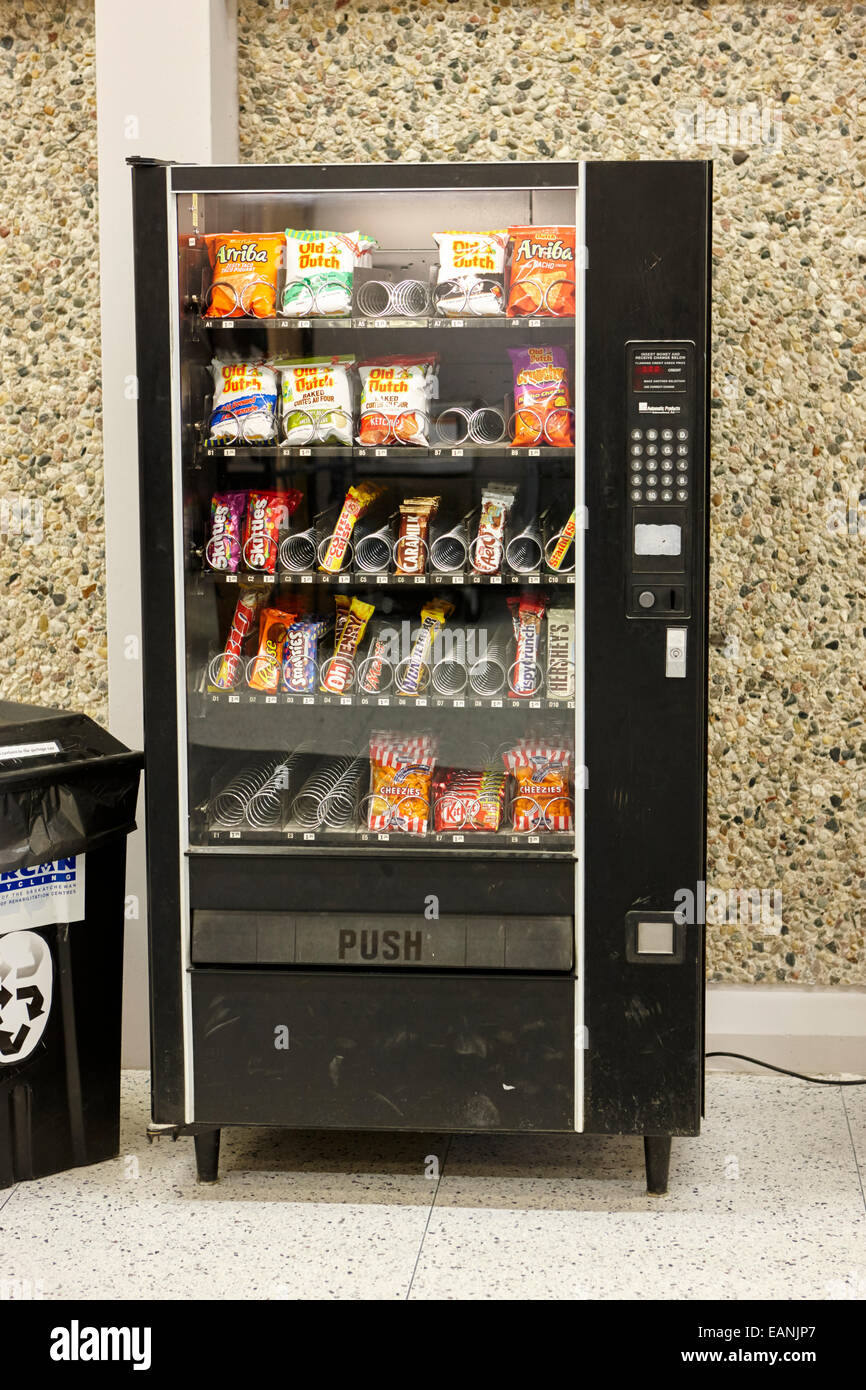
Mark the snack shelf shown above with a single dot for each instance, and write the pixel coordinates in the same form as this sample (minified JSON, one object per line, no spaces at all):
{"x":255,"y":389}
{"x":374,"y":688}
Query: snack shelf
{"x":426,"y":322}
{"x":468,"y":842}
{"x":247,"y":698}
{"x":362,"y":579}
{"x":406,"y":454}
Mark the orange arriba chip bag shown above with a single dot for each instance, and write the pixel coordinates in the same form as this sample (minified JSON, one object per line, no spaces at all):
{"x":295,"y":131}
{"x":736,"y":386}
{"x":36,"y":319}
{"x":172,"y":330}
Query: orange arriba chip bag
{"x":540,"y":272}
{"x":244,"y":282}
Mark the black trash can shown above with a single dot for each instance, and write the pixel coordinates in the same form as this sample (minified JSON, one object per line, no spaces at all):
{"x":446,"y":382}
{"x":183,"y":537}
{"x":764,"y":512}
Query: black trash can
{"x":68,"y":792}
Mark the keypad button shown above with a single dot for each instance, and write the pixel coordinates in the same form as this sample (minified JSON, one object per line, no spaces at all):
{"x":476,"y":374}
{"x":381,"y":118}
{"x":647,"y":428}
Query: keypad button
{"x":652,"y":434}
{"x":635,"y":479}
{"x":667,"y":465}
{"x":652,"y":495}
{"x":636,"y":450}
{"x":651,"y":479}
{"x":682,"y":434}
{"x":637,"y":434}
{"x":652,"y":450}
{"x":636,"y":494}
{"x":667,"y":450}
{"x":683,"y":450}
{"x":682,"y":494}
{"x":667,"y":495}
{"x":667,"y":434}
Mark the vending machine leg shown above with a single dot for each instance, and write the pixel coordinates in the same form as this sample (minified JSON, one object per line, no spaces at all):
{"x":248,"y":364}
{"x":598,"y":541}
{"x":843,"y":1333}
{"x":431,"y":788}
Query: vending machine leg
{"x":657,"y":1160}
{"x":207,"y":1155}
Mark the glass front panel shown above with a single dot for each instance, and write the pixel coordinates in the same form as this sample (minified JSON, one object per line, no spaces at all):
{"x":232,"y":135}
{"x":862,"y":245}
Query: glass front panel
{"x":377,"y":464}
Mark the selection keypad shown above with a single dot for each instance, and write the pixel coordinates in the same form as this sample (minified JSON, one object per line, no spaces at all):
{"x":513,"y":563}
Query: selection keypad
{"x":675,"y":450}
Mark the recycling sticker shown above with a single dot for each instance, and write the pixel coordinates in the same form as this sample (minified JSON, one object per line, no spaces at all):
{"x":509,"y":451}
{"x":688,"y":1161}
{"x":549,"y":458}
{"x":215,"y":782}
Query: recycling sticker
{"x":26,"y":982}
{"x":42,"y":894}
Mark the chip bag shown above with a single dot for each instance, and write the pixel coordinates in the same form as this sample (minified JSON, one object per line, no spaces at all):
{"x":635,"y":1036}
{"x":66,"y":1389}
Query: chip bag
{"x":244,"y":403}
{"x":471,"y":276}
{"x":320,"y":269}
{"x":542,"y":798}
{"x":401,"y":772}
{"x":316,"y":396}
{"x":540,"y":272}
{"x":244,"y":281}
{"x":542,"y":399}
{"x":395,"y":399}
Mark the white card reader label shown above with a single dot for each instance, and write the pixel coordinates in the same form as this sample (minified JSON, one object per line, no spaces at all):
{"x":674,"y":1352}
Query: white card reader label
{"x":675,"y":652}
{"x":657,"y":540}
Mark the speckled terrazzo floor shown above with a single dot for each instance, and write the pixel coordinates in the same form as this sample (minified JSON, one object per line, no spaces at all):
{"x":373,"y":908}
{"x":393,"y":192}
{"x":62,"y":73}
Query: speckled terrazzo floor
{"x":768,"y":1203}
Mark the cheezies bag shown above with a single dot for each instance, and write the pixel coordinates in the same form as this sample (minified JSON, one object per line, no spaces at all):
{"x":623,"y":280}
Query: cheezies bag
{"x":244,"y":275}
{"x":320,"y":271}
{"x":244,"y":403}
{"x":540,"y":272}
{"x":542,"y":400}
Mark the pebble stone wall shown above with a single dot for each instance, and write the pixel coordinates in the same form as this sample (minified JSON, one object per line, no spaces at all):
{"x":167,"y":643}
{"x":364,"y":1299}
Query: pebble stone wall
{"x":450,"y":81}
{"x":430,"y":80}
{"x":52,"y":553}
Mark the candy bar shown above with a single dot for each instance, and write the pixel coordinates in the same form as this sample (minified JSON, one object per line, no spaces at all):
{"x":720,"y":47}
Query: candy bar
{"x":487,"y":549}
{"x":338,"y":673}
{"x":560,"y":654}
{"x":359,"y":499}
{"x":410,"y":552}
{"x":228,"y":666}
{"x":527,"y":616}
{"x":300,"y":654}
{"x":267,"y":664}
{"x":433,"y":617}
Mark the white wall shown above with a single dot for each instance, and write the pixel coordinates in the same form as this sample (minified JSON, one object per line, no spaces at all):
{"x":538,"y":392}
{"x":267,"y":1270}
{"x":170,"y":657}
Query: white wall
{"x":166,"y":84}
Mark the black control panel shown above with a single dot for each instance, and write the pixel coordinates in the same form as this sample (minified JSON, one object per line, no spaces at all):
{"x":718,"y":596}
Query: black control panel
{"x":659,"y":470}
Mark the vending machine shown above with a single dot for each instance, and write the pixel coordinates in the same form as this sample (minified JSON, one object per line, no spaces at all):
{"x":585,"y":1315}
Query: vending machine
{"x":423,"y":458}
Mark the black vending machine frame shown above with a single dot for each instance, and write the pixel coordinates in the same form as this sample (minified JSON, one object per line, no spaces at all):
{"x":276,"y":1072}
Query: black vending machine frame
{"x":476,"y":1050}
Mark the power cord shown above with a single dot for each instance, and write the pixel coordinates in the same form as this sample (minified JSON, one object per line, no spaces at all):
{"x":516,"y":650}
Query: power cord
{"x":817,"y":1080}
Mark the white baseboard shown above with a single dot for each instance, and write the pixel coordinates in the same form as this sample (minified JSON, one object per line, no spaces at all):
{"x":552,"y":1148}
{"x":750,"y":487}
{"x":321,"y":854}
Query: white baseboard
{"x":818,"y":1031}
